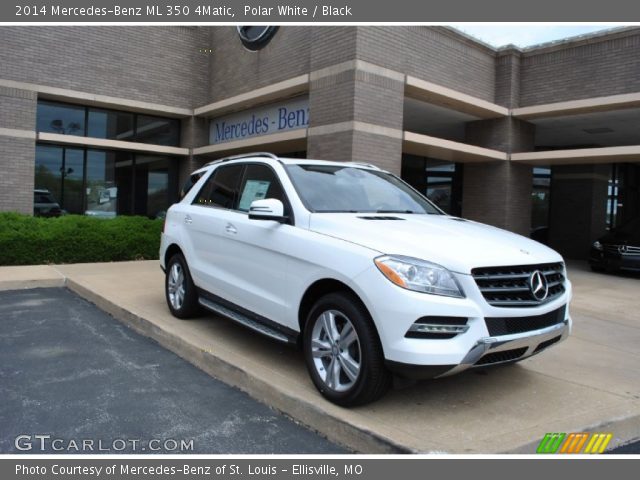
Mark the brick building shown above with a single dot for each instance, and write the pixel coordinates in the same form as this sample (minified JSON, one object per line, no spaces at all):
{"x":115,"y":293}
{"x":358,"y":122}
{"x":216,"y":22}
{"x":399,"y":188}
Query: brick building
{"x":544,"y":141}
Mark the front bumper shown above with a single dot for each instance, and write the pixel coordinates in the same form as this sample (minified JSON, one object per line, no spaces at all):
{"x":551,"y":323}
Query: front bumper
{"x":394,"y":310}
{"x":490,"y":351}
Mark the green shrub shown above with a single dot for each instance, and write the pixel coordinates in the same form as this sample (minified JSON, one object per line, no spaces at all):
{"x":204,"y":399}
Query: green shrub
{"x":27,"y":240}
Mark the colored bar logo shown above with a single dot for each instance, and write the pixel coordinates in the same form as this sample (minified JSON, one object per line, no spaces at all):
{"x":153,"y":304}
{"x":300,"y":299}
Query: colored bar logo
{"x":574,"y":443}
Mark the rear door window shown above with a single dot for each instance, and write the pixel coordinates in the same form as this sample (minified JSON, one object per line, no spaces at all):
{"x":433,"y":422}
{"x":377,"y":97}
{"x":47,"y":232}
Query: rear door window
{"x":222,"y":188}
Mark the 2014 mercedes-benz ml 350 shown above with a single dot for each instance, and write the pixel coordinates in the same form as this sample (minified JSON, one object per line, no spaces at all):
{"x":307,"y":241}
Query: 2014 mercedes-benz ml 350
{"x":361,"y":271}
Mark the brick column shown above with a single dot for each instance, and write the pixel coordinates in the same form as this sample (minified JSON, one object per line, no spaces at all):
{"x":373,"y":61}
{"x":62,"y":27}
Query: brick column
{"x":17,"y":154}
{"x":499,"y":193}
{"x":355,"y":109}
{"x":508,"y":77}
{"x":194,"y":133}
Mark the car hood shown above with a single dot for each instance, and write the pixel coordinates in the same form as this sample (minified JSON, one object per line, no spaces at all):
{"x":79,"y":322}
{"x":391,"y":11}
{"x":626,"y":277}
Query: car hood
{"x":457,"y":244}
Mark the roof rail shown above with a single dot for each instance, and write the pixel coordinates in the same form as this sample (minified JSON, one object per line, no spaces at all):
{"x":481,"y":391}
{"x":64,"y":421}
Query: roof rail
{"x":244,"y":155}
{"x":364,"y":164}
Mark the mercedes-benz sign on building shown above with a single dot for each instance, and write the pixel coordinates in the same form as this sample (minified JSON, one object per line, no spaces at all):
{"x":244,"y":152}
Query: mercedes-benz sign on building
{"x":543,"y":141}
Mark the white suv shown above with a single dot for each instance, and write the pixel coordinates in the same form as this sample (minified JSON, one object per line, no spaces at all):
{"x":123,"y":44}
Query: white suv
{"x":360,"y":270}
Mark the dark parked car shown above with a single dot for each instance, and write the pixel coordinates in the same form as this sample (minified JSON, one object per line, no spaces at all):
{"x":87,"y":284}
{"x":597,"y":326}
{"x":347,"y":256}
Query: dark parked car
{"x":619,"y":249}
{"x":44,"y":205}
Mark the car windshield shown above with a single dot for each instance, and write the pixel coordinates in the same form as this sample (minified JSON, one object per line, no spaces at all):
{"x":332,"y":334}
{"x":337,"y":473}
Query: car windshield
{"x":338,"y":188}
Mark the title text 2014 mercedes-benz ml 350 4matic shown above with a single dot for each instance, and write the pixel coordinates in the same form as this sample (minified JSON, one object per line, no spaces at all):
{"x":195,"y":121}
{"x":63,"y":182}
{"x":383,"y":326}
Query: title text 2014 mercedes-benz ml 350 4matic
{"x":361,"y":271}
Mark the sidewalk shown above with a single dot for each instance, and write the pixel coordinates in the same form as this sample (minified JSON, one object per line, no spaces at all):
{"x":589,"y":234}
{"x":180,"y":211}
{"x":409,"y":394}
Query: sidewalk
{"x":589,"y":382}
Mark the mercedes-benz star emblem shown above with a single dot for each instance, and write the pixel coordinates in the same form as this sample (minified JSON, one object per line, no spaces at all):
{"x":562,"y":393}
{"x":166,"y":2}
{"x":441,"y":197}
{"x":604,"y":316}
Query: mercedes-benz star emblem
{"x":538,"y":285}
{"x":254,"y":37}
{"x":622,"y":249}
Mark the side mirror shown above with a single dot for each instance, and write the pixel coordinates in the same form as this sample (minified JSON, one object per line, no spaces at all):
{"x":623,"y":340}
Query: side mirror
{"x":267,"y":209}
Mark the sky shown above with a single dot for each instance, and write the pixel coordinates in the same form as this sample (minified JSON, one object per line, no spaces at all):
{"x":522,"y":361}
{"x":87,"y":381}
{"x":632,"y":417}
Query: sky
{"x":526,"y":35}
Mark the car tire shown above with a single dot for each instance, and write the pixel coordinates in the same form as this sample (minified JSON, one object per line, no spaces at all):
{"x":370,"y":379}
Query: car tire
{"x":180,"y":291}
{"x":347,"y":367}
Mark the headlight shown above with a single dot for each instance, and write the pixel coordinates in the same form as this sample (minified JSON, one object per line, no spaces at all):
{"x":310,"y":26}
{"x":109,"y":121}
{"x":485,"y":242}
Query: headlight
{"x":597,"y":245}
{"x":419,"y":275}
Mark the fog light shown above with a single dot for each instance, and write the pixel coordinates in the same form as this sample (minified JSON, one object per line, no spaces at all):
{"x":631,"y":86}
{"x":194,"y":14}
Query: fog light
{"x":433,"y":328}
{"x":440,"y":328}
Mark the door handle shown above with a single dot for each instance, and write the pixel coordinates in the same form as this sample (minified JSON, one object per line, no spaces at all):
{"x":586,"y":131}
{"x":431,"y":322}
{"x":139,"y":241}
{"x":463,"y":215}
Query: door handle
{"x":231,"y":229}
{"x":188,"y":219}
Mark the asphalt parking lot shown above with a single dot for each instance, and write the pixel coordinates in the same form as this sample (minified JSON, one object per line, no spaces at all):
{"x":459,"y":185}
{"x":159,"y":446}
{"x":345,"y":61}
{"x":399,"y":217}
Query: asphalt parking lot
{"x":71,"y":371}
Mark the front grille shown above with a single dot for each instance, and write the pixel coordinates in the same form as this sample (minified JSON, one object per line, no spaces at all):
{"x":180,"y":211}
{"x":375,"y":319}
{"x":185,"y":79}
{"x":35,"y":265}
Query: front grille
{"x":503,"y":356}
{"x":509,"y":325}
{"x":510,"y":286}
{"x":615,"y":249}
{"x":547,"y":343}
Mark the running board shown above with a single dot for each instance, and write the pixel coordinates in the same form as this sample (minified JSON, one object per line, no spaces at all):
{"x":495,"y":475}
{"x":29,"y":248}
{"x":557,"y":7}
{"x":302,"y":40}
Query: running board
{"x":243,"y":320}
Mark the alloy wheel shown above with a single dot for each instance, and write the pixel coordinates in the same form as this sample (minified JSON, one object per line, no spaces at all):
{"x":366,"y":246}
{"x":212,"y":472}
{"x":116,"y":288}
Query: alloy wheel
{"x":175,"y":286}
{"x":335,"y":347}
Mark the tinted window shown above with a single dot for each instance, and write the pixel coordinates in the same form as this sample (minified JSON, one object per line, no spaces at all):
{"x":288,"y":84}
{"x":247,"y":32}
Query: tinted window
{"x":157,"y":130}
{"x":259,"y":182}
{"x":110,"y":124}
{"x":329,"y":188}
{"x":60,"y":118}
{"x":221,"y":188}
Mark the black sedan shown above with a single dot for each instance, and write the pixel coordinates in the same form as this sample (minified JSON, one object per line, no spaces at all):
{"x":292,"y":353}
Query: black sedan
{"x":618,"y":250}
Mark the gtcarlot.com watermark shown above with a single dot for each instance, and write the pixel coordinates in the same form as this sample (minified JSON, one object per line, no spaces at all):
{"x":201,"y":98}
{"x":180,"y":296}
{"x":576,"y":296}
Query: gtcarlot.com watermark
{"x":49,"y":443}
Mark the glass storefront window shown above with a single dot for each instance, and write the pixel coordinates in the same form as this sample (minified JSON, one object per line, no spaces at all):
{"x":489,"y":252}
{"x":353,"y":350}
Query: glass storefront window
{"x":104,"y":183}
{"x":157,"y":130}
{"x":440,"y":177}
{"x":110,"y":124}
{"x":47,"y":177}
{"x":540,"y":201}
{"x":60,"y":118}
{"x":440,"y":181}
{"x":540,"y":197}
{"x":101,"y":189}
{"x":73,"y":177}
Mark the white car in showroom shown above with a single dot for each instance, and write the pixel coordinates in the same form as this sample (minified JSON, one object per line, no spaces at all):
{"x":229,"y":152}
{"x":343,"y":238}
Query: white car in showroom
{"x":361,"y":271}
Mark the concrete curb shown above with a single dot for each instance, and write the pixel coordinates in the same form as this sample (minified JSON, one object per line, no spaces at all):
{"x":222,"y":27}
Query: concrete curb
{"x":358,"y":439}
{"x":36,"y":276}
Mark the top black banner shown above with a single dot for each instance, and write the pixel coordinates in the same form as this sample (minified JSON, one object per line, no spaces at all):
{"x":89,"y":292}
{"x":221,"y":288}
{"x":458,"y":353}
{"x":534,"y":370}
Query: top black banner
{"x":318,"y":11}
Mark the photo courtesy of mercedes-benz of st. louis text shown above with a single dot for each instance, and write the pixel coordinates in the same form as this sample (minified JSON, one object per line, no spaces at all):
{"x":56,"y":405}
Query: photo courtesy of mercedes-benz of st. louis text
{"x":359,"y":270}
